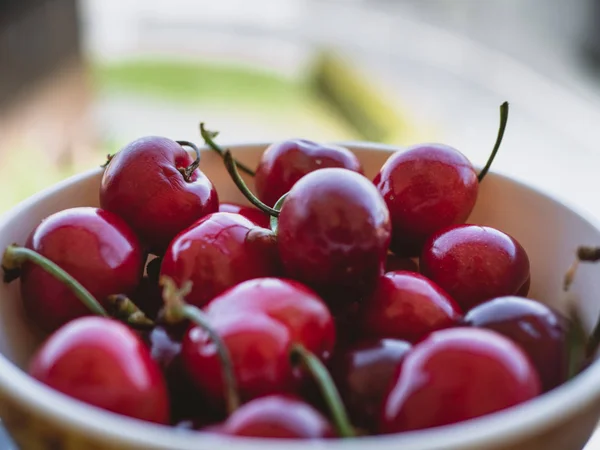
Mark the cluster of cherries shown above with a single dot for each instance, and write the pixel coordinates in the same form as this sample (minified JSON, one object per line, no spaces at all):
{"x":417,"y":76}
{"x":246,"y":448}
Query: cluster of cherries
{"x":335,"y":306}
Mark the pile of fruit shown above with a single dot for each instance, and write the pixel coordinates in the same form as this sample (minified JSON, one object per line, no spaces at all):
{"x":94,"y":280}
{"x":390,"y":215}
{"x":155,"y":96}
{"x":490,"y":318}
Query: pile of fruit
{"x":334,"y":306}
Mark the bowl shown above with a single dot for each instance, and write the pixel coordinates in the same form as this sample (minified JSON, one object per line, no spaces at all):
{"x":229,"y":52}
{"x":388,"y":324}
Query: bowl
{"x":39,"y":418}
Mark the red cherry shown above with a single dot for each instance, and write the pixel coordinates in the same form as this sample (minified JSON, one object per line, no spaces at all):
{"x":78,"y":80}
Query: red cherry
{"x":475,"y":263}
{"x":249,"y":212}
{"x":95,"y":247}
{"x":457,"y":374}
{"x":284,"y":163}
{"x":218,"y":252}
{"x":289,"y":302}
{"x":426,"y":188}
{"x":149,"y":184}
{"x":259,"y":347}
{"x":538,"y":329}
{"x":408,"y":306}
{"x":363,"y":373}
{"x":102,"y":362}
{"x":277,"y":416}
{"x":333,"y":233}
{"x":393,"y":262}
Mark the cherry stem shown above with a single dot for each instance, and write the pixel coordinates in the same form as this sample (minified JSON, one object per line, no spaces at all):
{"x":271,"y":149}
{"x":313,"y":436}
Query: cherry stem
{"x":125,"y":310}
{"x":231,"y":166}
{"x":273,"y":220}
{"x":301,"y":356}
{"x":109,"y":158}
{"x":15,"y":256}
{"x":578,"y":343}
{"x":177,"y":310}
{"x":209,"y":136}
{"x":189,"y":170}
{"x":503,"y":120}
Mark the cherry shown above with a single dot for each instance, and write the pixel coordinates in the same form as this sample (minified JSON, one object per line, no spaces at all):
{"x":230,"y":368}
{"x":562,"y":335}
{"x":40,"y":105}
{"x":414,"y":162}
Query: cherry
{"x":218,"y":252}
{"x":333,"y":233}
{"x":363,"y":372}
{"x":156,"y":187}
{"x":538,"y":329}
{"x":254,"y":214}
{"x":457,"y":374}
{"x":94,"y":247}
{"x":408,"y":306}
{"x":289,"y":302}
{"x":277,"y":416}
{"x":475,"y":263}
{"x":393,"y":262}
{"x":102,"y":362}
{"x":284,"y":163}
{"x":429,"y":187}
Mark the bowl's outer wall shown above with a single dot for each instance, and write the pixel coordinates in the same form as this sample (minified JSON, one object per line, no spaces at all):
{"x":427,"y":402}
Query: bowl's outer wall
{"x":548,"y":230}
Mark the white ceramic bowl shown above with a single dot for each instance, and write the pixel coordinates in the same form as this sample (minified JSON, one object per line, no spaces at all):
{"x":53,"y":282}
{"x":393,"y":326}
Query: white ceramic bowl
{"x":40,"y":418}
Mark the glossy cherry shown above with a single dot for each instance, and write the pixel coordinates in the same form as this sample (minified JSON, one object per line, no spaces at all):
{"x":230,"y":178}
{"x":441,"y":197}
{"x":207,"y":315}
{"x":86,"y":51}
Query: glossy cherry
{"x":333,"y":233}
{"x":277,"y":416}
{"x":289,"y":302}
{"x":363,"y":373}
{"x":475,"y":263}
{"x":283,"y":163}
{"x":457,"y":374}
{"x":538,"y":329}
{"x":406,"y":305}
{"x":218,"y":252}
{"x":94,"y":246}
{"x":154,"y":184}
{"x":394,"y":262}
{"x":102,"y":362}
{"x":249,"y":212}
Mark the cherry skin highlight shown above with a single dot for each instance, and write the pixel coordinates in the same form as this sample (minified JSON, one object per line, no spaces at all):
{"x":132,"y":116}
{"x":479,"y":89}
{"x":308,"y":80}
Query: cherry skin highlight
{"x":333,"y":234}
{"x":457,"y":374}
{"x":408,"y":306}
{"x":218,"y":252}
{"x":427,"y":187}
{"x":475,"y":263}
{"x":144,"y":184}
{"x":105,"y":364}
{"x":538,"y":329}
{"x":277,"y":416}
{"x":284,"y":163}
{"x":94,"y":246}
{"x":249,"y":212}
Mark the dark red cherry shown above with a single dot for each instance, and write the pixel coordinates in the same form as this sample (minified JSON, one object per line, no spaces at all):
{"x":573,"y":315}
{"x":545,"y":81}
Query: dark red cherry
{"x":289,"y":302}
{"x":249,"y":212}
{"x":284,"y":163}
{"x":259,"y":347}
{"x":393,"y":262}
{"x":474,"y":263}
{"x":278,"y":416}
{"x":218,"y":252}
{"x":154,"y":184}
{"x":363,"y":373}
{"x":333,"y":233}
{"x":538,"y":329}
{"x":457,"y":374}
{"x":104,"y":363}
{"x":427,"y":187}
{"x":94,"y":246}
{"x":406,"y":305}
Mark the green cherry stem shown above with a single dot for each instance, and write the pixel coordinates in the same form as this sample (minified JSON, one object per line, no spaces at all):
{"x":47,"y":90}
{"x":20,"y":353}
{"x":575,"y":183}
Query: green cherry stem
{"x":501,"y":129}
{"x":189,"y":170}
{"x":274,"y":221}
{"x":300,"y":356}
{"x":125,"y":310}
{"x":176,"y":311}
{"x":231,"y":166}
{"x":209,"y":137}
{"x":15,"y":256}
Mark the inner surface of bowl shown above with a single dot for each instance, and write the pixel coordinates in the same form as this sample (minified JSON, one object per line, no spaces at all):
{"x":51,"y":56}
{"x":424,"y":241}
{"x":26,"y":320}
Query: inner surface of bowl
{"x":549,"y":231}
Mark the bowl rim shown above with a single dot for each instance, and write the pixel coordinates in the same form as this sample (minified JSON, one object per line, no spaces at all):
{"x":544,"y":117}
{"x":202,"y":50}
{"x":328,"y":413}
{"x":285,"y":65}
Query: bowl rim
{"x":501,"y":427}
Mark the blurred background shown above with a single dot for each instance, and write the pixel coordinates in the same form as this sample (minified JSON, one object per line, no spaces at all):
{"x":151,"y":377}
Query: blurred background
{"x":79,"y":79}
